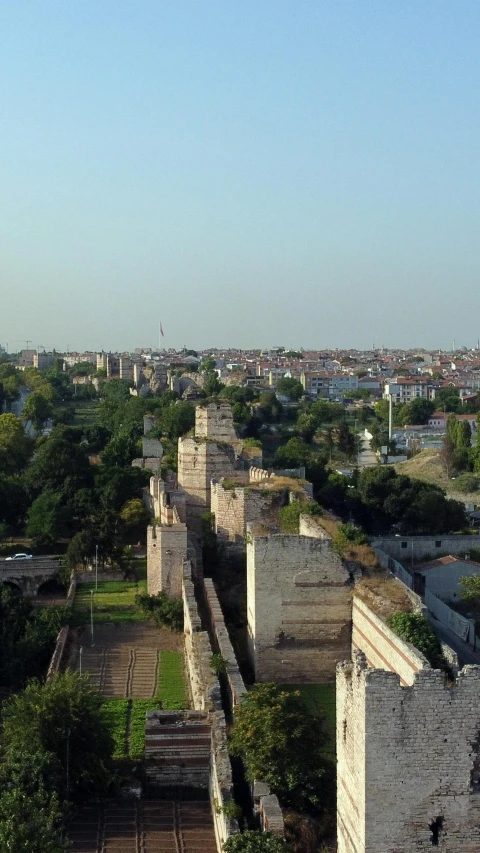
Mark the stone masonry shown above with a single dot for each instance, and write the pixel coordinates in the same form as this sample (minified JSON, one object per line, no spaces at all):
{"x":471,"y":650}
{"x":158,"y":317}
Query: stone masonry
{"x":236,"y":506}
{"x":408,"y":761}
{"x":299,"y":608}
{"x":166,"y":550}
{"x":209,"y":455}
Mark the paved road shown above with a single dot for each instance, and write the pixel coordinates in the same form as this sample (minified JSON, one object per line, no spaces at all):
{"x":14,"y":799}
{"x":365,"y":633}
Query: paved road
{"x":366,"y":457}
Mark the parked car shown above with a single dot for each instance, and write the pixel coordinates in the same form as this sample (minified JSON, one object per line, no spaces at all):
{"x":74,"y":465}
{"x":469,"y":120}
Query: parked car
{"x":20,"y":557}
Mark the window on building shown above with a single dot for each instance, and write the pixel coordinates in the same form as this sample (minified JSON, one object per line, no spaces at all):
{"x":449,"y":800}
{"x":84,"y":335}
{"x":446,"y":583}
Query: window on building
{"x":438,"y":543}
{"x":404,"y":544}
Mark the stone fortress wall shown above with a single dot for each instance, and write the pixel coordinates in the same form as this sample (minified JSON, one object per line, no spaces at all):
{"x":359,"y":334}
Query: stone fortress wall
{"x":408,"y":761}
{"x":299,"y":608}
{"x":234,"y":507}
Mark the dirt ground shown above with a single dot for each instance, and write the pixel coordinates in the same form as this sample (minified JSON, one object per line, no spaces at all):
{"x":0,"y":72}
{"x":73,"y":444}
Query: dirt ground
{"x":127,"y":826}
{"x":124,"y":659}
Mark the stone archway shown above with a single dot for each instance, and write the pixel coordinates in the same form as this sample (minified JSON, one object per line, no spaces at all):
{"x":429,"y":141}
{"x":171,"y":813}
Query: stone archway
{"x":13,"y":585}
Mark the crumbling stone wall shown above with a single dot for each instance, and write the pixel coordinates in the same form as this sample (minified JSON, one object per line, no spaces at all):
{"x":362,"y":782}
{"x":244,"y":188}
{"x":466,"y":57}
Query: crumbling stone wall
{"x":200,"y":462}
{"x":166,"y":550}
{"x":298,"y":607}
{"x":236,"y":507}
{"x":215,"y":421}
{"x":408,"y":761}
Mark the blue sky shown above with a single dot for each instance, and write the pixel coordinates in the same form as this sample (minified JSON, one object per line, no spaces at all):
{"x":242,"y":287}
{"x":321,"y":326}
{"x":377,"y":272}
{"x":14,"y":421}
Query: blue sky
{"x":250,"y":173}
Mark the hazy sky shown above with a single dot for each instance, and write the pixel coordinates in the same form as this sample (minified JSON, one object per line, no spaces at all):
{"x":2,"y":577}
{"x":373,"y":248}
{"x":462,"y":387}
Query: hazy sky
{"x":251,"y":173}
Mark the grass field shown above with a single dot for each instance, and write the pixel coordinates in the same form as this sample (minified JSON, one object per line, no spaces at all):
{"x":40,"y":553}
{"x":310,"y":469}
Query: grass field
{"x":320,"y":698}
{"x":115,"y":713}
{"x":171,"y":681}
{"x":113,"y":601}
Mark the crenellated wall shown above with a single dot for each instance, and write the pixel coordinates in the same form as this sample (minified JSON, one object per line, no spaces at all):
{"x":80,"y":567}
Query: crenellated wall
{"x":408,"y":761}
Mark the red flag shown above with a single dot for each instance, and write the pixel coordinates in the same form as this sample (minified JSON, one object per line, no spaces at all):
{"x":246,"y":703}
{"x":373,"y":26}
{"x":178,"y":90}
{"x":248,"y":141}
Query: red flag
{"x":161,"y":331}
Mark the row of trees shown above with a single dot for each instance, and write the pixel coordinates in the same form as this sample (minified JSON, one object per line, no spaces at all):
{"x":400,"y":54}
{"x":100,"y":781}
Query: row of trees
{"x":380,"y":500}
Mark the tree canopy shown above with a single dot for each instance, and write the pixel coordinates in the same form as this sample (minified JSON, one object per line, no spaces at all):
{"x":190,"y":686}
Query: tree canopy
{"x":281,"y":743}
{"x":42,"y":718}
{"x":289,"y":387}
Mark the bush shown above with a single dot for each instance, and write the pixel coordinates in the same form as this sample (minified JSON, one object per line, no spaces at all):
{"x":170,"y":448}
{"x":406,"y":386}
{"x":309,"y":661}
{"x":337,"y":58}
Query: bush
{"x":467,"y":483}
{"x":219,"y":664}
{"x":255,"y":841}
{"x":289,"y":516}
{"x":164,"y":611}
{"x":415,"y":629}
{"x":353,"y":533}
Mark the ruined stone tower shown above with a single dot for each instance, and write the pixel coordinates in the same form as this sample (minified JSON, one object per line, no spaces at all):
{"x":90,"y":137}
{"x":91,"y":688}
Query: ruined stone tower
{"x":208,"y":455}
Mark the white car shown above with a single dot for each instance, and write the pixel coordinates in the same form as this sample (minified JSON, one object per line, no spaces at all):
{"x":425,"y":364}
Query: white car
{"x":20,"y":557}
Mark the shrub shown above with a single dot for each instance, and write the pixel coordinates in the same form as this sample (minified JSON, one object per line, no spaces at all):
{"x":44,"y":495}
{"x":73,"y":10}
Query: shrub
{"x":164,"y":611}
{"x":415,"y":629}
{"x":255,"y":841}
{"x":289,"y":515}
{"x":219,"y":664}
{"x":353,"y":533}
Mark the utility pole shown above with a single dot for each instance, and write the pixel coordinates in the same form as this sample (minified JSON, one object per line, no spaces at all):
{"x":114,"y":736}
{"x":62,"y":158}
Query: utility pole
{"x":68,"y":761}
{"x":80,"y":656}
{"x":389,"y":417}
{"x":91,"y":615}
{"x":96,"y":567}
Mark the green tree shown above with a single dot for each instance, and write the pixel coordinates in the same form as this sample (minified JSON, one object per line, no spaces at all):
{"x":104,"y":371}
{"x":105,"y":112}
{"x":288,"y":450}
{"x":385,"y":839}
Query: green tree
{"x":15,"y":446}
{"x":289,"y":387}
{"x":281,"y":744}
{"x":134,"y":514}
{"x":208,"y":365}
{"x":212,"y":384}
{"x":81,"y":549}
{"x":346,"y":439}
{"x":448,"y":399}
{"x":30,"y":820}
{"x":60,"y":465}
{"x":419,"y":411}
{"x":27,"y":638}
{"x":293,"y":454}
{"x":37,"y":410}
{"x":470,"y":589}
{"x":255,"y":841}
{"x":9,"y":384}
{"x":46,"y":519}
{"x":177,"y":420}
{"x":44,"y":717}
{"x":464,"y":435}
